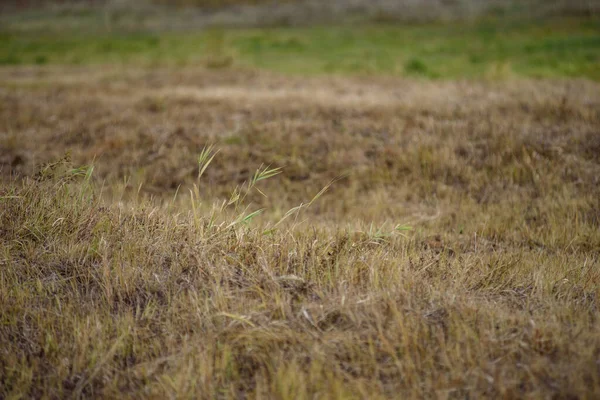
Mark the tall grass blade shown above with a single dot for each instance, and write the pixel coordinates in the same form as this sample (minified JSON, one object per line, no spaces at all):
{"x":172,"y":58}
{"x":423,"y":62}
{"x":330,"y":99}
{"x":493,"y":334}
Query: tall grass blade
{"x":205,"y":158}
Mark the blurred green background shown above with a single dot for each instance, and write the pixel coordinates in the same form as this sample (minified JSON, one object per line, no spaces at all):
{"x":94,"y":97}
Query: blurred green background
{"x":425,"y":39}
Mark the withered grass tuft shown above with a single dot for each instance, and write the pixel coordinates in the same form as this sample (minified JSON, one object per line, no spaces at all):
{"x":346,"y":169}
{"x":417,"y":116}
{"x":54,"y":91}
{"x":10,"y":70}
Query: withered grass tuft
{"x":146,"y":277}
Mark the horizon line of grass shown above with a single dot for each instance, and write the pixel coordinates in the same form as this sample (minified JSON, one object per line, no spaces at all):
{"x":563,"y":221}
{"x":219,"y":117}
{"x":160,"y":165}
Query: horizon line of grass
{"x":489,"y":49}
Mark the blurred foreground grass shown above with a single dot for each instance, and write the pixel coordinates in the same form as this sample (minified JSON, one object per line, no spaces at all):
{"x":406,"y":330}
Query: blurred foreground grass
{"x":568,"y":47}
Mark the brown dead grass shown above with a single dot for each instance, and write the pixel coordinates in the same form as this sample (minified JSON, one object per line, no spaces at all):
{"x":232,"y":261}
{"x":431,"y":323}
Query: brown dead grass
{"x":115,"y":287}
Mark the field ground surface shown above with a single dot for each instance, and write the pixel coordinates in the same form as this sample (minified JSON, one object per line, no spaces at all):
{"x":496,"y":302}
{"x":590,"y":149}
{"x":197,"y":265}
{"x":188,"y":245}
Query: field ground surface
{"x":356,"y":235}
{"x":132,"y":286}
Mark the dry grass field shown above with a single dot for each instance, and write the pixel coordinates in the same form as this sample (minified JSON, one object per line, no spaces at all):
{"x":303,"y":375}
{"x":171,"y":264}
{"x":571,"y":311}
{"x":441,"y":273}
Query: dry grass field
{"x":345,"y":211}
{"x":141,"y":279}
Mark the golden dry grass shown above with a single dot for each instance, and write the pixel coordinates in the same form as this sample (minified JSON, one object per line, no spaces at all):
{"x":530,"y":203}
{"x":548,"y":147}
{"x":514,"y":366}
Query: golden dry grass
{"x":116,"y":284}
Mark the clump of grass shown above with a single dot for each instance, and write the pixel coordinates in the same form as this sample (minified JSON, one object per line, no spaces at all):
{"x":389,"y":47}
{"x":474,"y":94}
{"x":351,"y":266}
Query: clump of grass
{"x":416,"y":66}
